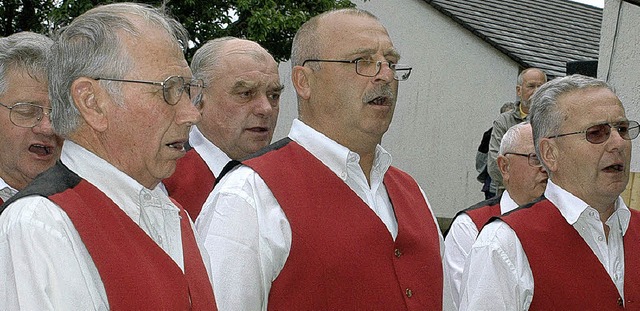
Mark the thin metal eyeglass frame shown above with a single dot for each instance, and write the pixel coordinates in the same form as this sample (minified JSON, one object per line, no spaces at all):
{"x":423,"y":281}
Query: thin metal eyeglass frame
{"x":37,"y":119}
{"x":617,"y":127}
{"x":164,"y":90}
{"x":378,"y":66}
{"x":530,"y":158}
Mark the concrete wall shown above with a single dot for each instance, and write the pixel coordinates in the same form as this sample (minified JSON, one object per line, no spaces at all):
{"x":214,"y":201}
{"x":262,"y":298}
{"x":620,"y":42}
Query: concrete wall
{"x":619,"y":61}
{"x":455,"y":91}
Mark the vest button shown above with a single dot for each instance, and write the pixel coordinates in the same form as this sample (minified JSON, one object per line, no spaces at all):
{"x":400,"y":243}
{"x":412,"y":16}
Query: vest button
{"x":408,"y":292}
{"x":620,"y":302}
{"x":398,"y":253}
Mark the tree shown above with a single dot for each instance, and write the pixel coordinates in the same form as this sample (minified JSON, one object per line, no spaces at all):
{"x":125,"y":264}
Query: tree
{"x":272,"y":23}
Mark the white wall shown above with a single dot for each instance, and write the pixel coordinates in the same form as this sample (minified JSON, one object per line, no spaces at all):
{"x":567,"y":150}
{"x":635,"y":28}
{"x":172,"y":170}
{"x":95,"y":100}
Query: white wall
{"x":619,"y":61}
{"x":455,"y":91}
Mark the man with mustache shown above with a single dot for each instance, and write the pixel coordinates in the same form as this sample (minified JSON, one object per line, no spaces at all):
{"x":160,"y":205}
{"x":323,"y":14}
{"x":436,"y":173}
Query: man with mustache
{"x":95,"y":232}
{"x":578,"y":247}
{"x":525,"y":180}
{"x":29,"y":145}
{"x":239,"y":110}
{"x":320,"y":220}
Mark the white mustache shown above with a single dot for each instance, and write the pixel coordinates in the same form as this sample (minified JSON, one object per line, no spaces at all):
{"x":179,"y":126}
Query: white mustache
{"x":383,"y":91}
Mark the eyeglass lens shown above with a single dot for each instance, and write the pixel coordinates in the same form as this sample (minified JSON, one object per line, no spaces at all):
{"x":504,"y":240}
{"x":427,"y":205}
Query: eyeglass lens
{"x":369,"y":68}
{"x":599,"y":133}
{"x":533,"y":160}
{"x":174,"y":87}
{"x":26,"y":115}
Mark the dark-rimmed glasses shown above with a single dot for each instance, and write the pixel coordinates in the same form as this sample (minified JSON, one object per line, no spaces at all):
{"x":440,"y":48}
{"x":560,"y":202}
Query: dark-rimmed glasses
{"x":532,"y":158}
{"x":599,"y":133}
{"x":26,"y":115}
{"x":172,"y":88}
{"x":370,"y":68}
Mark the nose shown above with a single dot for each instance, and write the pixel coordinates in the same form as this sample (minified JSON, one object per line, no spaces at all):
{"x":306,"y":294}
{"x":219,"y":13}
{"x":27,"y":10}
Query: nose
{"x":44,"y":126}
{"x":264,"y":107}
{"x":186,"y":112}
{"x":615,"y":141}
{"x":385,"y":74}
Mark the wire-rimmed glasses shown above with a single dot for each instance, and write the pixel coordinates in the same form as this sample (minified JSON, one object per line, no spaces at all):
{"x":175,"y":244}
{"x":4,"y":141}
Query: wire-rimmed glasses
{"x":532,"y":158}
{"x":599,"y":133}
{"x":370,"y":68}
{"x":26,"y":115}
{"x":172,"y":88}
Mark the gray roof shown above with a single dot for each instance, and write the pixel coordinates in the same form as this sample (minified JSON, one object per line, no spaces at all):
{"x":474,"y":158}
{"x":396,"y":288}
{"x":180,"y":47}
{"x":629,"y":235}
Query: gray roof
{"x":535,"y":33}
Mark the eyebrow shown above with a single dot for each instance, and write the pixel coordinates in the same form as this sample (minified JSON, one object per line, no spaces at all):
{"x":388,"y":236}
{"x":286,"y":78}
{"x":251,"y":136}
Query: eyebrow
{"x":368,"y":51}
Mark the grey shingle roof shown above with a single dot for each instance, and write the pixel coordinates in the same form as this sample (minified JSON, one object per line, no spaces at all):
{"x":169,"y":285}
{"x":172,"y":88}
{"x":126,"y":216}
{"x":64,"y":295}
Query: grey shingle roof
{"x":534,"y":33}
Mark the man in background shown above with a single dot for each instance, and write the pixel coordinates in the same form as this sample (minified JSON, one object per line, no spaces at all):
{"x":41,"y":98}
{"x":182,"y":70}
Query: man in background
{"x":529,"y":80}
{"x":239,"y":108}
{"x":29,"y":145}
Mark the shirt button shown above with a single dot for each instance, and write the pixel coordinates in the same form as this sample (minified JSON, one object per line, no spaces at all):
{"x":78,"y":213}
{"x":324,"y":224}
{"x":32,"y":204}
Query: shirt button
{"x":600,"y":238}
{"x":398,"y":253}
{"x":159,"y":239}
{"x":147,"y":196}
{"x":408,"y":292}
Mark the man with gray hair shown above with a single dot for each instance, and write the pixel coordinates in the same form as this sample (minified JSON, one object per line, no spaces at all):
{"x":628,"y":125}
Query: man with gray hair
{"x":576,"y":248}
{"x":239,"y":109}
{"x":524,"y":179}
{"x":529,"y":80}
{"x":29,"y":145}
{"x":95,"y":232}
{"x":321,"y":220}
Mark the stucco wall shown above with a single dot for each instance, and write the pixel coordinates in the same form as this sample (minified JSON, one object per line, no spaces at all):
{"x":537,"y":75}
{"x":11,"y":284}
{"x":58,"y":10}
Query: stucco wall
{"x":619,"y":61}
{"x":455,"y":91}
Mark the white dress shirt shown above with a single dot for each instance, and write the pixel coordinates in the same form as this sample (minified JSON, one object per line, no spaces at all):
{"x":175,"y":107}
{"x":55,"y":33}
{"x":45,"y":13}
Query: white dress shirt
{"x":215,"y":158}
{"x":247,"y":234}
{"x":457,"y":244}
{"x":43,"y":261}
{"x":497,"y":275}
{"x":6,"y":191}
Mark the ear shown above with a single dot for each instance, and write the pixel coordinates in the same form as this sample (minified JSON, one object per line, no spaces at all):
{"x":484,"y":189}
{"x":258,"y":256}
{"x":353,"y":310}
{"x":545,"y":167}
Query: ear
{"x":549,"y":153}
{"x":518,"y":91}
{"x":89,"y":98}
{"x":300,"y":78}
{"x":503,"y":166}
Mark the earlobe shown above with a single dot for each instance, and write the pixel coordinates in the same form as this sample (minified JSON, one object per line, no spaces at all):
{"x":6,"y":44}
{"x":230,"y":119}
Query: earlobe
{"x":86,"y":94}
{"x":300,"y":80}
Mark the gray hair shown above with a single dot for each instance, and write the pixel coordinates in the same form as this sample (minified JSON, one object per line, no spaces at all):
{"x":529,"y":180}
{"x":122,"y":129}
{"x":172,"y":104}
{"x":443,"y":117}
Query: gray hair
{"x":208,"y":56}
{"x":521,"y":75}
{"x":512,"y":139}
{"x":91,"y":47}
{"x":308,"y":42}
{"x":545,"y":115}
{"x":26,"y":51}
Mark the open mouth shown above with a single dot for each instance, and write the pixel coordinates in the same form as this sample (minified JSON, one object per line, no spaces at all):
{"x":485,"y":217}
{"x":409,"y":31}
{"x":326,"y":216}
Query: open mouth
{"x":41,"y":150}
{"x":614,"y":168}
{"x":178,"y":145}
{"x":380,"y":101}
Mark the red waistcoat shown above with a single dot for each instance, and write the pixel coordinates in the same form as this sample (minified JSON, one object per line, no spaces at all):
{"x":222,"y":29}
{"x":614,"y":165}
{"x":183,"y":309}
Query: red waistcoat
{"x":481,"y":215}
{"x":137,"y":274}
{"x":191,"y":183}
{"x":567,"y":274}
{"x":342,"y":255}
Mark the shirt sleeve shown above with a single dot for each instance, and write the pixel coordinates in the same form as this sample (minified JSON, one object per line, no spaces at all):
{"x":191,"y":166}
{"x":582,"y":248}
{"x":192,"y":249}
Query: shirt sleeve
{"x":44,"y":264}
{"x":457,"y":245}
{"x":499,"y":128}
{"x":497,"y":275}
{"x":247,"y":237}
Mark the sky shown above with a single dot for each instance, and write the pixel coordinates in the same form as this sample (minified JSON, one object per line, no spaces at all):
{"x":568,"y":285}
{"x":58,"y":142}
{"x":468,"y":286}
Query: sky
{"x":598,"y":3}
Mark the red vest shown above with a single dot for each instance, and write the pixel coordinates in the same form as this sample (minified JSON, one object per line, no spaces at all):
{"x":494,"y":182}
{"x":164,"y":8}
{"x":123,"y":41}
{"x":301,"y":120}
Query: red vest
{"x":342,"y":256}
{"x":191,"y":183}
{"x":137,"y":274}
{"x":567,"y":274}
{"x":481,"y":215}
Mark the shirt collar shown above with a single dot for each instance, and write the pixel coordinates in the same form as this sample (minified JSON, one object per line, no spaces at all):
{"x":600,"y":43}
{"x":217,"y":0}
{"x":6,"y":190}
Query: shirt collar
{"x":213,"y":156}
{"x":571,"y":207}
{"x":507,"y":204}
{"x":335,"y":156}
{"x":123,"y":190}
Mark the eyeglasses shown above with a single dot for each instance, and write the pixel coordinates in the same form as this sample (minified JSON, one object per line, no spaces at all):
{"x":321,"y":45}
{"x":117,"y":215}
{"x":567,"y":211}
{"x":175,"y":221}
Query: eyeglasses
{"x":370,"y":68}
{"x":173,"y":87}
{"x":26,"y":115}
{"x":599,"y":133}
{"x":532,"y":157}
